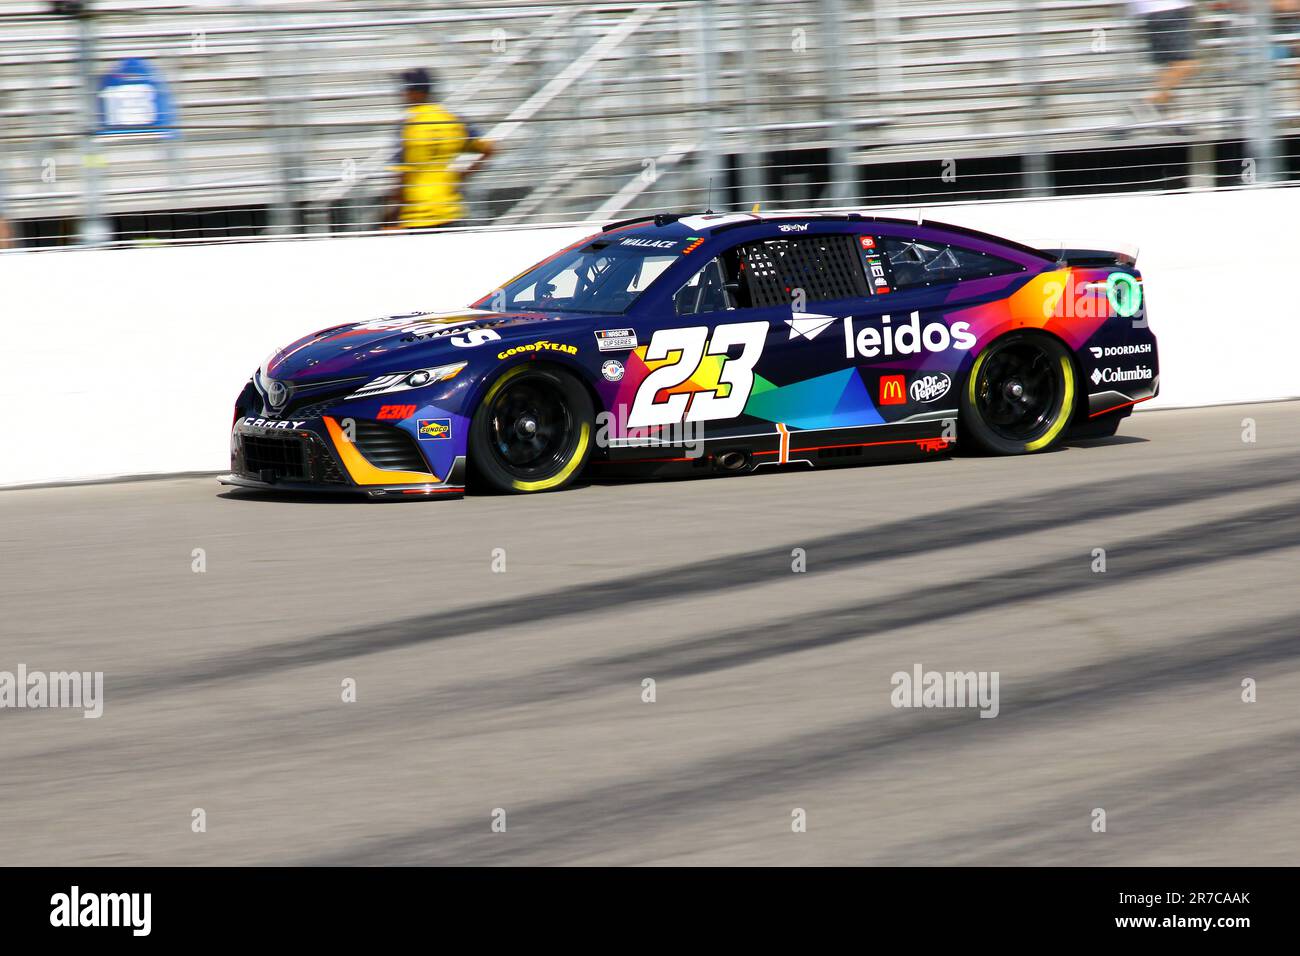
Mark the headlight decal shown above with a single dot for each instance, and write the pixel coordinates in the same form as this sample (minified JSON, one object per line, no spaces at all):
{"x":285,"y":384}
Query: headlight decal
{"x":404,"y":381}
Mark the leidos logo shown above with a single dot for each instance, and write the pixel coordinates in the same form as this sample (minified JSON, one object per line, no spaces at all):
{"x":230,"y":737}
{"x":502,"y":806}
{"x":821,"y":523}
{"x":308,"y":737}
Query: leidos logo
{"x":907,"y":339}
{"x":891,"y":389}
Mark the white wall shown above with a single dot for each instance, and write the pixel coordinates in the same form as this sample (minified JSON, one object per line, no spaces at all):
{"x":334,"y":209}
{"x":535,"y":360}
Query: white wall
{"x":128,"y":361}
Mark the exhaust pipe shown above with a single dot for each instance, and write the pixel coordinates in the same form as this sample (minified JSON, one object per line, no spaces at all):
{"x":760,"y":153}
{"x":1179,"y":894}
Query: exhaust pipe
{"x":731,"y":460}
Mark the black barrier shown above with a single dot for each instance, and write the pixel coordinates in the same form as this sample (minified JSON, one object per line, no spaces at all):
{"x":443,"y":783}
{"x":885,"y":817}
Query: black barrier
{"x":641,"y":907}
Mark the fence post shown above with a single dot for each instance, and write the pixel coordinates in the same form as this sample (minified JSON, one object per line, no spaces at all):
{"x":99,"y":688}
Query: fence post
{"x":751,"y":153}
{"x":712,"y":188}
{"x":1259,"y":122}
{"x":93,"y":229}
{"x":1037,"y":182}
{"x":839,"y":187}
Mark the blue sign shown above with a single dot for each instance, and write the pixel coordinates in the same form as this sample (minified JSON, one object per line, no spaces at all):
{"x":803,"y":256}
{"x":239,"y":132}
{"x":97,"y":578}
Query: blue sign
{"x":134,"y":98}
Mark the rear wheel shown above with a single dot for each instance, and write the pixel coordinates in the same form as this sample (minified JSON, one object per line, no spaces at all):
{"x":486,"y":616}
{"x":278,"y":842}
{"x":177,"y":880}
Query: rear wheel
{"x":532,"y":431}
{"x":1020,"y":395}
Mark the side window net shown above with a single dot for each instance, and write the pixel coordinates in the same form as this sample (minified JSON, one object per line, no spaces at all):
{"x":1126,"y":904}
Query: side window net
{"x":824,"y":267}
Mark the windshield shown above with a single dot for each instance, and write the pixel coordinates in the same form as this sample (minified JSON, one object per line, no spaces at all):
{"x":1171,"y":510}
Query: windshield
{"x":600,"y":277}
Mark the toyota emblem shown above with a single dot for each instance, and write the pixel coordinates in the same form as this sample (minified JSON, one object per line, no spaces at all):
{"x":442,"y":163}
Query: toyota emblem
{"x":276,"y":393}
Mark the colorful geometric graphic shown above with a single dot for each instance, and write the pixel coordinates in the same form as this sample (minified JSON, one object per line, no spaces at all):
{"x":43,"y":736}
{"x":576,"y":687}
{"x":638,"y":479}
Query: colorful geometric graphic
{"x":828,"y":401}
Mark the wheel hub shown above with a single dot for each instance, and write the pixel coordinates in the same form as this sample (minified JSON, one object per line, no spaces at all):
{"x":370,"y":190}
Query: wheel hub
{"x":1019,"y":391}
{"x":531,"y":428}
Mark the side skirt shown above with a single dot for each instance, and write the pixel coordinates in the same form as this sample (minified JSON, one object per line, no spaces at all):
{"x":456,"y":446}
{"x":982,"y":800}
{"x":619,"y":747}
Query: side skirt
{"x":777,"y":447}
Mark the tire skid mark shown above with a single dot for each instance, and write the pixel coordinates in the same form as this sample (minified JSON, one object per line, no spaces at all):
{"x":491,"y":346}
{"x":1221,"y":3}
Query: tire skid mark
{"x":860,"y":547}
{"x":1251,"y":533}
{"x":575,"y":827}
{"x":1155,"y":801}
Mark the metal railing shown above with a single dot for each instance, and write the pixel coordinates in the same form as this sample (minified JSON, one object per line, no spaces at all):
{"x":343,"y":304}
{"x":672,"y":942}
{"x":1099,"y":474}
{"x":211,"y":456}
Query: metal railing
{"x":288,"y":111}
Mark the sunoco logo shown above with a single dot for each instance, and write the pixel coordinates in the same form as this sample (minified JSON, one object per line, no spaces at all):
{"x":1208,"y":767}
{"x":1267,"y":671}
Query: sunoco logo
{"x":930,"y":388}
{"x":1108,"y":375}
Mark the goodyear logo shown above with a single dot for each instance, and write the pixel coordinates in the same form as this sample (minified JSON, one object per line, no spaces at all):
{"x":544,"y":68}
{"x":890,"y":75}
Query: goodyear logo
{"x":542,"y":346}
{"x":431,"y":429}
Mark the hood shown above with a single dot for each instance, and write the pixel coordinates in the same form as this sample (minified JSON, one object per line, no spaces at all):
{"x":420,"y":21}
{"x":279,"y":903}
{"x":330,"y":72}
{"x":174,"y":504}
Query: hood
{"x":415,"y":340}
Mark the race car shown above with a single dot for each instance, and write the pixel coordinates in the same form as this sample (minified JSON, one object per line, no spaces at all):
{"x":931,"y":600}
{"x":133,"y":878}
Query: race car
{"x":711,"y":344}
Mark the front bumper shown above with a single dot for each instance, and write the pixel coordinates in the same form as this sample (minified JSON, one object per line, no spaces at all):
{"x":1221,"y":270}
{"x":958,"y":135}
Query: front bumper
{"x":318,"y":456}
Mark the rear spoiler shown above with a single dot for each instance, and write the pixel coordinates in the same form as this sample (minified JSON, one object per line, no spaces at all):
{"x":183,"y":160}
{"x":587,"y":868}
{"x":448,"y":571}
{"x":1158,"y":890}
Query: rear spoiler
{"x":1092,"y":257}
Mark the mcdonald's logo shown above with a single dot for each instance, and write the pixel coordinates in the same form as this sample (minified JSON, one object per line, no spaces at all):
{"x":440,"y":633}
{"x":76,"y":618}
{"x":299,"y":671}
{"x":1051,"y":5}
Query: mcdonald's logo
{"x":893,"y":390}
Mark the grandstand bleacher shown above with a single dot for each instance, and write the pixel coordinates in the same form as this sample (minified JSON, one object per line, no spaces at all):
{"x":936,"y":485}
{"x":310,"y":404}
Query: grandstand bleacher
{"x":288,"y":111}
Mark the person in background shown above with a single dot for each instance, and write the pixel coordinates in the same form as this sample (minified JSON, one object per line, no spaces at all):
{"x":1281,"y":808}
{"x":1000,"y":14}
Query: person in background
{"x":1170,"y":28}
{"x":428,"y":195}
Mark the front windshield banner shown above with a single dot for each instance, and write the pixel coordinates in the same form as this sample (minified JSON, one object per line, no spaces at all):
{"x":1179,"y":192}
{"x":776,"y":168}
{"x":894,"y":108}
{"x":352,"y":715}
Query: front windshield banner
{"x":604,"y":276}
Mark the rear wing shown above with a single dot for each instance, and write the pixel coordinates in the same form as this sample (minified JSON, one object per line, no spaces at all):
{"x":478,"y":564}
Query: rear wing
{"x":1077,"y":256}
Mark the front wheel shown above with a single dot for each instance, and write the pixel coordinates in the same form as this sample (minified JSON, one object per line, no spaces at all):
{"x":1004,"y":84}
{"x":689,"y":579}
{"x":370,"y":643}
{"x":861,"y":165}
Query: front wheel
{"x":1020,"y":395}
{"x":532,"y":431}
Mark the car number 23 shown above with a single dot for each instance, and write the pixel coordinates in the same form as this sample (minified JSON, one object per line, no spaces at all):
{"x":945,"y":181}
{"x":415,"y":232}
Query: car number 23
{"x":693,"y":345}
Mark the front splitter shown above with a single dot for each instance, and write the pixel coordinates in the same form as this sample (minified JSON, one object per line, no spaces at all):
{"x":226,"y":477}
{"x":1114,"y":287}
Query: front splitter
{"x":373,"y":492}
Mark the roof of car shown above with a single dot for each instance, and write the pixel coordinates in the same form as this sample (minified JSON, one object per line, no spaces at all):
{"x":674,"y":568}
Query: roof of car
{"x":710,"y":224}
{"x":712,"y":221}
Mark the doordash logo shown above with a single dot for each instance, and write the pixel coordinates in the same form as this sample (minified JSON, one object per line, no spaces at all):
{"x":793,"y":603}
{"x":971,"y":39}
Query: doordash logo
{"x":910,"y":338}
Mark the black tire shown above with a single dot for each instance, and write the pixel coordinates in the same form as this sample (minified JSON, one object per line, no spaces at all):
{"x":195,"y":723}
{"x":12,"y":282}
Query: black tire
{"x":532,"y":431}
{"x":1020,"y":394}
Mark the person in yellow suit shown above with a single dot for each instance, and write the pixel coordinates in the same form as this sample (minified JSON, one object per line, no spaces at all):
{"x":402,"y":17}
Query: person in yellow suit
{"x":433,"y":137}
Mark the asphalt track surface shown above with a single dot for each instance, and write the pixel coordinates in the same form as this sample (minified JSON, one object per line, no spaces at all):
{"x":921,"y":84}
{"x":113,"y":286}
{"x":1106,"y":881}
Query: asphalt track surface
{"x":522,"y":690}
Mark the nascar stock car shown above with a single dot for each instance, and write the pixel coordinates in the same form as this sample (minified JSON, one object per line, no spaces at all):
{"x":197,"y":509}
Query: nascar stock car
{"x":707,"y":344}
